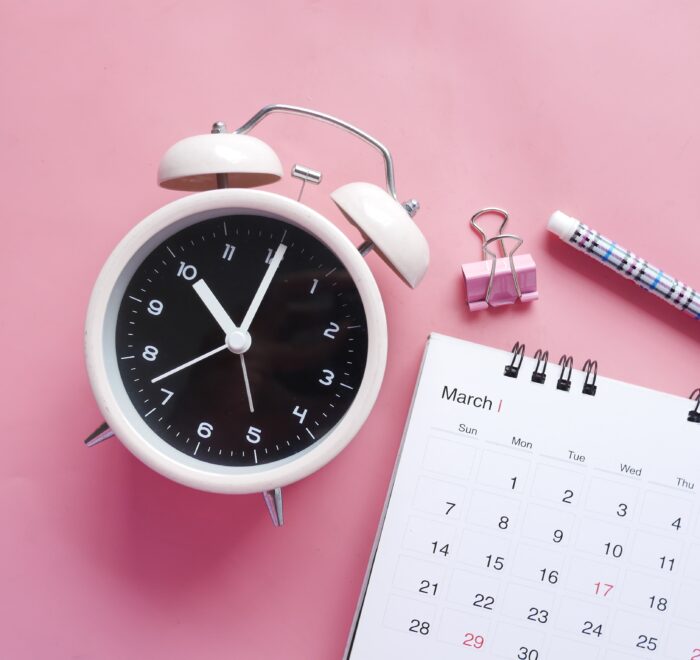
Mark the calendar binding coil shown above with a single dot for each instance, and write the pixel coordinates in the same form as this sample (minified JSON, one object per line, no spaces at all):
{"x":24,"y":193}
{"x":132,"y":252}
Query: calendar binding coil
{"x":694,"y":413}
{"x":566,"y":364}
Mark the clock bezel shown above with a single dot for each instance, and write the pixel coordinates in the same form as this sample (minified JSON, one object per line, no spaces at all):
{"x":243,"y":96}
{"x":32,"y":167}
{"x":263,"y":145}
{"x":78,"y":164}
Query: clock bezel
{"x":100,"y":351}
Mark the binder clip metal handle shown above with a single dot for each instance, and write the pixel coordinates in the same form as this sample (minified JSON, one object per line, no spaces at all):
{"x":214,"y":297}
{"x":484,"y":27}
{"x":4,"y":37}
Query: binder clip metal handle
{"x":497,"y":281}
{"x":482,"y":233}
{"x":494,"y":260}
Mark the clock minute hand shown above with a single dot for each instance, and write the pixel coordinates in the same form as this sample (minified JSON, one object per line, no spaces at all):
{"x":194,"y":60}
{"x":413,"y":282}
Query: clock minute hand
{"x":264,"y":285}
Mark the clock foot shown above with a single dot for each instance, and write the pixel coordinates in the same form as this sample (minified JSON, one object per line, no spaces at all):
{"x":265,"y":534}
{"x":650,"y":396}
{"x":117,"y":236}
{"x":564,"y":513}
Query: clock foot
{"x":102,"y":432}
{"x":273,"y":499}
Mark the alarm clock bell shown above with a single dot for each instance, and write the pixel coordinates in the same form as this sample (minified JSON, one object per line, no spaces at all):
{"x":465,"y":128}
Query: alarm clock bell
{"x":236,"y":160}
{"x":222,"y":159}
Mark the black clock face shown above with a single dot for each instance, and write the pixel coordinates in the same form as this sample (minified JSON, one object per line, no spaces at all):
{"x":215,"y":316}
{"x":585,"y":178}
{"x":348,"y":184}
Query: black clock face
{"x":241,"y":340}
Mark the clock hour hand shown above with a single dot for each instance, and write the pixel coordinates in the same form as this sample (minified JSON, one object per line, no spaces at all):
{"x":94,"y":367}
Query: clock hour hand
{"x":215,"y":308}
{"x":264,"y":286}
{"x":237,"y":340}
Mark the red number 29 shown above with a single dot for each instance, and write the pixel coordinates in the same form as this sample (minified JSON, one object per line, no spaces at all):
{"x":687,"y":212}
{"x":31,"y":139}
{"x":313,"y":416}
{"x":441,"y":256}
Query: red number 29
{"x":470,"y":639}
{"x":696,"y":655}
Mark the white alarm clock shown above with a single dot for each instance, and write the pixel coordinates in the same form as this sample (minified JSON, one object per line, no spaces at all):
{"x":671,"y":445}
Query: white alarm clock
{"x":236,"y":339}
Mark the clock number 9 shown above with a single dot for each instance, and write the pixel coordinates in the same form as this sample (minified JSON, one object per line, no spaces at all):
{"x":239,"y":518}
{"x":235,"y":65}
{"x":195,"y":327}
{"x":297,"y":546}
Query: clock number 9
{"x":155,"y":307}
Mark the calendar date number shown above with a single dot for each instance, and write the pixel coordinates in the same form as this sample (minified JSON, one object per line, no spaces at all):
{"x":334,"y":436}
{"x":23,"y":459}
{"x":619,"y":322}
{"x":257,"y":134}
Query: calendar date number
{"x":473,"y":640}
{"x":589,"y":628}
{"x":603,"y":588}
{"x":486,"y":602}
{"x":420,"y":627}
{"x":537,"y":615}
{"x":428,"y":587}
{"x":646,"y":642}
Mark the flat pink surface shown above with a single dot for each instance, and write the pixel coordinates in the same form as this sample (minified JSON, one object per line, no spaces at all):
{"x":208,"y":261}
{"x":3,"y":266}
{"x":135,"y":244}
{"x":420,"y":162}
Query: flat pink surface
{"x":590,"y":107}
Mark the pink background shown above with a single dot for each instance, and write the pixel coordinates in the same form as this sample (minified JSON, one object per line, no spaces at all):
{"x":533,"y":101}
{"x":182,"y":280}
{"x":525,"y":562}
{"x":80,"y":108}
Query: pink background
{"x":591,"y":107}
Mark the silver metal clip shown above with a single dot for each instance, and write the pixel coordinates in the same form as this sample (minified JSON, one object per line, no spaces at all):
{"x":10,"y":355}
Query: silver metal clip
{"x":305,"y":174}
{"x":513,"y":272}
{"x":482,"y":233}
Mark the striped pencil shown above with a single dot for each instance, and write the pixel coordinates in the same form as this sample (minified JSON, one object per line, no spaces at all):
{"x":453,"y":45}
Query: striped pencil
{"x":626,"y":263}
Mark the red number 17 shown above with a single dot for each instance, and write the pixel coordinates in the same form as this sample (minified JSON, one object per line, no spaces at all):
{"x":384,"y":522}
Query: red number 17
{"x":604,"y":588}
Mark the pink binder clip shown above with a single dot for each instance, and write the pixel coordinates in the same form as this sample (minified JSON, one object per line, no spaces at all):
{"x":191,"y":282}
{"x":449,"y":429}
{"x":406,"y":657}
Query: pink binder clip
{"x":497,"y":281}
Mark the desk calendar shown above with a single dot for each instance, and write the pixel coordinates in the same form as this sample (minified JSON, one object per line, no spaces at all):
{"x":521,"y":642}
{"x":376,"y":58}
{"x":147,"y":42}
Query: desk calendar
{"x":527,"y":522}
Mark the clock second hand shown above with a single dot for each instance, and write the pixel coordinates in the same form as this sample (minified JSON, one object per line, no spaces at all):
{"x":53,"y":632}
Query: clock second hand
{"x":247,"y":384}
{"x":204,"y":357}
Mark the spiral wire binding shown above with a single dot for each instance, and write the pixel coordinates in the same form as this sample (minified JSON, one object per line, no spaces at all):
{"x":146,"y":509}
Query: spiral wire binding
{"x":591,"y":369}
{"x":694,"y":415}
{"x":566,"y":362}
{"x":513,"y":368}
{"x":537,"y":375}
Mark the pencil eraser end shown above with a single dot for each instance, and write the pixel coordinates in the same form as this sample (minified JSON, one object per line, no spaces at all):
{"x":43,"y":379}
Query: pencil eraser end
{"x":562,"y":225}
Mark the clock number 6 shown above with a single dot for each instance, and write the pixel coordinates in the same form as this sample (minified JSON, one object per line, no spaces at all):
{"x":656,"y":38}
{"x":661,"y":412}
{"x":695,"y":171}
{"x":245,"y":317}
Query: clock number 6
{"x":204,"y":430}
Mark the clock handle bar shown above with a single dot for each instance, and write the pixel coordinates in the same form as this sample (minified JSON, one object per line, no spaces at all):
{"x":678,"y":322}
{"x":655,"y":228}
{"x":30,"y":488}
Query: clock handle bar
{"x":328,"y":119}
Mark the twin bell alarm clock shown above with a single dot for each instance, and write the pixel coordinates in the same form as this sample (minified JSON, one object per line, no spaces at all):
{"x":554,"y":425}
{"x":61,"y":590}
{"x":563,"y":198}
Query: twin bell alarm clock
{"x":236,"y":339}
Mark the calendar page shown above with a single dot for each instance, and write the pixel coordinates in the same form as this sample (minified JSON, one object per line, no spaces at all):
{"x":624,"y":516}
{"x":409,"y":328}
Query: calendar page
{"x":526,"y":522}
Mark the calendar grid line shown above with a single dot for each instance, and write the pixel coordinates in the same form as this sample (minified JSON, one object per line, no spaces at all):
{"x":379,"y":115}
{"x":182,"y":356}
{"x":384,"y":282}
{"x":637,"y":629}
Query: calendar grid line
{"x":677,"y":490}
{"x":463,"y":436}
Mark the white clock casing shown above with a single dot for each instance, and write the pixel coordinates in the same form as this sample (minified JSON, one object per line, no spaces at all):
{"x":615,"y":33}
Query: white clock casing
{"x":101,"y":357}
{"x":234,"y":163}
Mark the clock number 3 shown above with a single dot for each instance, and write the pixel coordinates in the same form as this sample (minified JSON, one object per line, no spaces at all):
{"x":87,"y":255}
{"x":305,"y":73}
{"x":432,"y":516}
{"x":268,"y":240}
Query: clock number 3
{"x":328,"y":377}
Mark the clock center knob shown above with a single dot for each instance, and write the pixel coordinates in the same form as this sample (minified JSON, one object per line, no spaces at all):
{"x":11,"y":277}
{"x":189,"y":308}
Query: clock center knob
{"x":238,"y":341}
